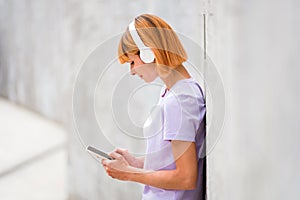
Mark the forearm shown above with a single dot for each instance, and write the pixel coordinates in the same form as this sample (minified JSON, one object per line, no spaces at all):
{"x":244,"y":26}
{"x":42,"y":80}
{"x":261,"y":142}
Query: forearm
{"x":165,"y":179}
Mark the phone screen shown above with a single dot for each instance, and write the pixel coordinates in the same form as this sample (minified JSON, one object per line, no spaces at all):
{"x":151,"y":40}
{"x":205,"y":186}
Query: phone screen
{"x":99,"y":152}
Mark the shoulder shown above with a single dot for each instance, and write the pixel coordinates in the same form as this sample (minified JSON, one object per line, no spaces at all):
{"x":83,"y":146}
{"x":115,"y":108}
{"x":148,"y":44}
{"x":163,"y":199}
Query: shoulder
{"x":184,"y":92}
{"x":187,"y":99}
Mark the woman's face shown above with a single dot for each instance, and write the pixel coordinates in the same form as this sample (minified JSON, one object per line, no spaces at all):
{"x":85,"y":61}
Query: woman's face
{"x":146,"y":71}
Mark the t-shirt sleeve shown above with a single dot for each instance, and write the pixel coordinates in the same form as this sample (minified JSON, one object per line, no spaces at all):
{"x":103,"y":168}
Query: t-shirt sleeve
{"x":182,"y":117}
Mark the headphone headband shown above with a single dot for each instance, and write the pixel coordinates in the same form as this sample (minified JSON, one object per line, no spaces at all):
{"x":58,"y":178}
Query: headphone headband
{"x":135,"y":36}
{"x":146,"y":53}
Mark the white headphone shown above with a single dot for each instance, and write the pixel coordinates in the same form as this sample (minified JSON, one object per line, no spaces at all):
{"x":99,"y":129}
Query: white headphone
{"x":146,"y":53}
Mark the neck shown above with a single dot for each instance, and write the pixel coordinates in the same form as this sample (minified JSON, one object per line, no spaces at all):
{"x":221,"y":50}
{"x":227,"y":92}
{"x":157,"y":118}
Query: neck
{"x":175,"y":75}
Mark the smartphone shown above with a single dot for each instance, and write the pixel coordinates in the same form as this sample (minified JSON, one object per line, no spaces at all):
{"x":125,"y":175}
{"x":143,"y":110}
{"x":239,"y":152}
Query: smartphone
{"x":98,"y":153}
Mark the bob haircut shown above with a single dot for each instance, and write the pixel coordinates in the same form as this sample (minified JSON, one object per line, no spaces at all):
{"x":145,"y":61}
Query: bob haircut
{"x":159,"y":36}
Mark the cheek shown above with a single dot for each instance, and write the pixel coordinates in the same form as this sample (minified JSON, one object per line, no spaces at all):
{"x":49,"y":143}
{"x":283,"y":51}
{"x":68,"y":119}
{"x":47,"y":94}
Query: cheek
{"x":139,"y":66}
{"x":152,"y":73}
{"x":152,"y":69}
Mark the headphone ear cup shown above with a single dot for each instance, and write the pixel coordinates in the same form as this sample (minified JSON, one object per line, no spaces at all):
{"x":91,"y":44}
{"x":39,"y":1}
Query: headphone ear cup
{"x":147,"y":55}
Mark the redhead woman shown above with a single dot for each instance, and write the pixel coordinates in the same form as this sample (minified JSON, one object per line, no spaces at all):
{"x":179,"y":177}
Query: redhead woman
{"x":173,"y":168}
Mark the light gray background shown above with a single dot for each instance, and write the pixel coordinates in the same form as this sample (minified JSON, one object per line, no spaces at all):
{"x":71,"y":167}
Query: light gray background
{"x":254,"y":45}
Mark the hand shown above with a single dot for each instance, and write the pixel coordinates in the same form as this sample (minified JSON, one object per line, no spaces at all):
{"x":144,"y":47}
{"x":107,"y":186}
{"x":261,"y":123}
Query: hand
{"x":133,"y":161}
{"x":128,"y":157}
{"x":118,"y":168}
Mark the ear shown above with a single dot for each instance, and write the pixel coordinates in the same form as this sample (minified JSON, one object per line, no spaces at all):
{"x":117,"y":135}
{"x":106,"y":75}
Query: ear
{"x":147,"y":56}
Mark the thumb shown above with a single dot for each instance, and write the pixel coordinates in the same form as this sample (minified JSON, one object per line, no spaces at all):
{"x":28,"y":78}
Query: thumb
{"x":116,"y":155}
{"x":121,"y":151}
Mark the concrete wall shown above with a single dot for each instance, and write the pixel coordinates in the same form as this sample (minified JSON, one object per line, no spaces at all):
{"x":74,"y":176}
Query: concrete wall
{"x":34,"y":58}
{"x":253,"y":44}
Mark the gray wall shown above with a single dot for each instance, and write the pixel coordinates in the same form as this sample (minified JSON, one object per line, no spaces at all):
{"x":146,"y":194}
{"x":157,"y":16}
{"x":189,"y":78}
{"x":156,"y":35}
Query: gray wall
{"x":253,"y":44}
{"x":34,"y":55}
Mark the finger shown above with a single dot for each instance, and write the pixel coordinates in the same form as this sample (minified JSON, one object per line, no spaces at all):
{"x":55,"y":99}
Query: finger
{"x":116,"y":155}
{"x":105,"y":162}
{"x":121,"y":151}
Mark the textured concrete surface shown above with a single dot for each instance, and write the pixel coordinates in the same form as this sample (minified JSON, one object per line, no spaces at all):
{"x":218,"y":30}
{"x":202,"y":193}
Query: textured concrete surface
{"x":34,"y":70}
{"x":43,"y":179}
{"x":255,"y":46}
{"x":33,"y":155}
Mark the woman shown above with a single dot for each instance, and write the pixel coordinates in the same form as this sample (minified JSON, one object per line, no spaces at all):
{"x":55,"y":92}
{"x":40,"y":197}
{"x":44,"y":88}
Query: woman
{"x":173,"y":167}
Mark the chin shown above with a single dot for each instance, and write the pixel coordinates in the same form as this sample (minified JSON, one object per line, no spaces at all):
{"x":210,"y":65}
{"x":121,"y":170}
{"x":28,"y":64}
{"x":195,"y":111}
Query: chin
{"x":149,"y":81}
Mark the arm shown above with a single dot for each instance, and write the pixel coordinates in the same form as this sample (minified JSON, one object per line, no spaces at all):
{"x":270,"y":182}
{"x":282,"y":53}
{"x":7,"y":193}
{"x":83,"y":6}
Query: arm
{"x":184,"y":177}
